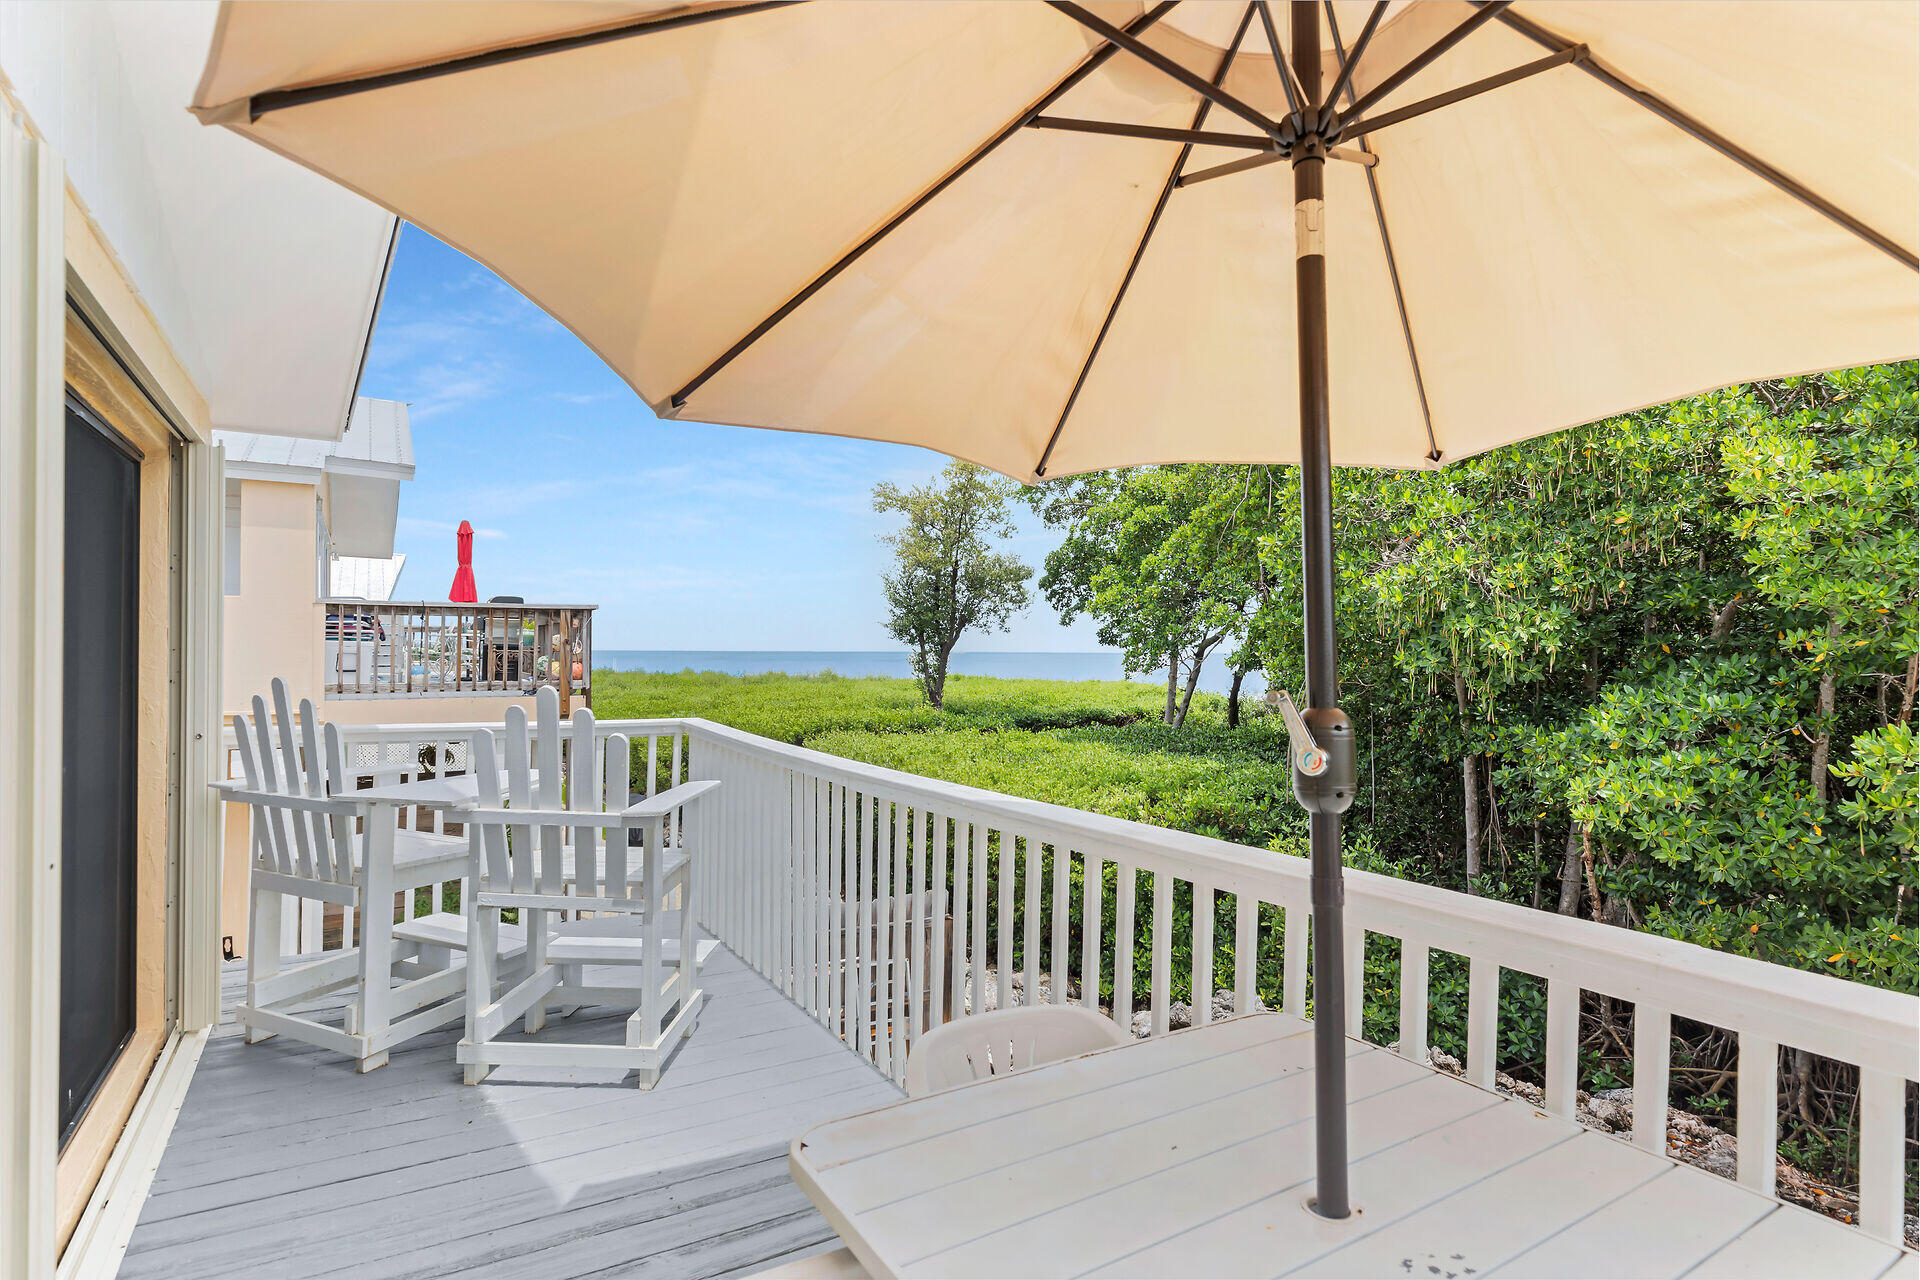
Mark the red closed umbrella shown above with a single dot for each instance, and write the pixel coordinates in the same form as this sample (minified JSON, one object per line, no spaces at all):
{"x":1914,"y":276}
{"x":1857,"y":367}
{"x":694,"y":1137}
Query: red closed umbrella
{"x":462,"y":591}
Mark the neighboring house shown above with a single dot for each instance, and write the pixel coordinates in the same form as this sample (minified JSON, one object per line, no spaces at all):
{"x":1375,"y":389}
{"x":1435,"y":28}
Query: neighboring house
{"x":159,"y":282}
{"x":309,"y":581}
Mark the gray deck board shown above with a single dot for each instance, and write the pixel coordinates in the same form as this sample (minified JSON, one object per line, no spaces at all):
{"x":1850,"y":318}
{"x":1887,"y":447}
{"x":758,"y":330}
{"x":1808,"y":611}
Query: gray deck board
{"x":285,"y":1162}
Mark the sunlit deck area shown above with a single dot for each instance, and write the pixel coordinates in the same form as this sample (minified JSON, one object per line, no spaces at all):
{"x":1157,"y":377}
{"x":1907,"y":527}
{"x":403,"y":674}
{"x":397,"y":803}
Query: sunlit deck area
{"x":284,"y":1162}
{"x":861,"y":908}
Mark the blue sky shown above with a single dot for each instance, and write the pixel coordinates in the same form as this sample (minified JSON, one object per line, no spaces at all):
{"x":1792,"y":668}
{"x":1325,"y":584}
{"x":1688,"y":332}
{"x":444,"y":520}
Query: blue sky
{"x":687,"y":536}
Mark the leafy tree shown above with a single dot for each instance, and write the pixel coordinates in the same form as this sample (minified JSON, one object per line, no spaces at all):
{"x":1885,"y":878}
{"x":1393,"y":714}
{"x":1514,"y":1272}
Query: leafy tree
{"x":1165,"y":558}
{"x":947,"y":579}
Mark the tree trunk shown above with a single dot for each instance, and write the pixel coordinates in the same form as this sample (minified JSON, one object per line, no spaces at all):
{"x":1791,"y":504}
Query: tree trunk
{"x":1173,"y":684}
{"x":1823,"y":745}
{"x":1593,"y":882}
{"x":1193,"y":682}
{"x":1470,"y":789}
{"x":1233,"y":698}
{"x":1570,"y":873}
{"x":1907,"y":689}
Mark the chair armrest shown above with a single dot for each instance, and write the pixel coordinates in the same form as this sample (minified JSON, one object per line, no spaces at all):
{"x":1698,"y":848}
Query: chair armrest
{"x":539,"y":817}
{"x":660,"y":805}
{"x":228,"y":785}
{"x":305,"y":804}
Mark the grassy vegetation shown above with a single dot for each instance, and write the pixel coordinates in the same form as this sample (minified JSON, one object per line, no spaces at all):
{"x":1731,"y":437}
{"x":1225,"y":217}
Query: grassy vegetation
{"x":799,"y":709}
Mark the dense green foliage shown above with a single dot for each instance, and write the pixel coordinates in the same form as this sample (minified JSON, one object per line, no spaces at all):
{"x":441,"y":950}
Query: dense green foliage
{"x":1661,"y":670}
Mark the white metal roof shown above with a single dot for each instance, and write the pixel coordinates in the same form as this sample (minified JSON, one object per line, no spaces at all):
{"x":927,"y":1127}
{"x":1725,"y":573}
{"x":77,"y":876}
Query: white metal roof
{"x":378,"y":442}
{"x":368,"y":577}
{"x":359,"y":474}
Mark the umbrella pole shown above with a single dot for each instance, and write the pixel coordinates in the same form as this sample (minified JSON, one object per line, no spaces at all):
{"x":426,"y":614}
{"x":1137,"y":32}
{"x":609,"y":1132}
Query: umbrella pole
{"x":1327,"y":795}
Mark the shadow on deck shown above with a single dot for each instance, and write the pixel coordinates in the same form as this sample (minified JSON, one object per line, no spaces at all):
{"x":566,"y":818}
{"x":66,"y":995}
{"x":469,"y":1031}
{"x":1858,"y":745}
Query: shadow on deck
{"x":284,"y":1162}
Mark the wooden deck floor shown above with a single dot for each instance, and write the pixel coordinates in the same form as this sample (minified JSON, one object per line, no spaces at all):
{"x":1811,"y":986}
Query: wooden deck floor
{"x":284,"y":1162}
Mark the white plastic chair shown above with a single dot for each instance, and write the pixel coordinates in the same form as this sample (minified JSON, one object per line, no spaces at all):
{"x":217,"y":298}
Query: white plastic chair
{"x":312,"y":840}
{"x":1004,"y":1041}
{"x":543,"y":855}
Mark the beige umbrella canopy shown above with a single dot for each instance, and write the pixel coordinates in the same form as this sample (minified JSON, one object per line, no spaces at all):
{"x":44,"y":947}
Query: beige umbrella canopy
{"x":852,"y":218}
{"x":1059,"y":237}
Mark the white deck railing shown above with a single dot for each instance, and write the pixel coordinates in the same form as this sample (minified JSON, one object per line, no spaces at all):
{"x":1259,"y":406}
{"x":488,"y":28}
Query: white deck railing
{"x":862,"y":893}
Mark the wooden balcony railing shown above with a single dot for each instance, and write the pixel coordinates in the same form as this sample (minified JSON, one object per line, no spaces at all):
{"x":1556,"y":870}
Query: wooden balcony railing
{"x":434,"y":649}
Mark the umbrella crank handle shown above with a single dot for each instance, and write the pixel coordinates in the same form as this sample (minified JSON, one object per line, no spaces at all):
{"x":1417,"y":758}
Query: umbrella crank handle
{"x":1325,"y":774}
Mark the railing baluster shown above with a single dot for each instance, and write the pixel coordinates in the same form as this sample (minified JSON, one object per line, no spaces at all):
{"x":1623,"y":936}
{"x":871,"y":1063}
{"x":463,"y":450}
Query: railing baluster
{"x":837,"y":904}
{"x":1356,"y":966}
{"x":1030,"y":942}
{"x":962,"y":897}
{"x":1757,"y":1124}
{"x":1883,"y":1143}
{"x":1093,"y":904}
{"x":937,"y":829}
{"x":1483,"y":1020}
{"x":1563,"y":1045}
{"x":917,"y":993}
{"x":1246,"y":950}
{"x":1413,"y":999}
{"x":1293,"y":958}
{"x":1007,"y":856}
{"x":1059,"y":958}
{"x":862,"y":1040}
{"x":1160,"y":975}
{"x":1201,"y":993}
{"x":884,"y":957}
{"x":902,"y":905}
{"x":1124,"y":889}
{"x":1652,"y":1053}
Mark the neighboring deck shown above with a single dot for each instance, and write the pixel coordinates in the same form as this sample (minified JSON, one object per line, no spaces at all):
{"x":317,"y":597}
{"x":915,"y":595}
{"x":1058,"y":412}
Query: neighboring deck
{"x":284,"y":1162}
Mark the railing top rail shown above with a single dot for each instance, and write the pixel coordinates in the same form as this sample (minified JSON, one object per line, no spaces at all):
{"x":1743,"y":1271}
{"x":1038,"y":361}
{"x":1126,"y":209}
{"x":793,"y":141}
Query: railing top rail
{"x":1847,"y":1020}
{"x":450,"y":605}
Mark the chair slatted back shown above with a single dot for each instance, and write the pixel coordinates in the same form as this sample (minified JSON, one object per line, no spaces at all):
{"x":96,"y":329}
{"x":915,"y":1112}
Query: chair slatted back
{"x":583,"y":796}
{"x":545,"y":769}
{"x":552,"y":789}
{"x":283,"y":755}
{"x":615,"y":765}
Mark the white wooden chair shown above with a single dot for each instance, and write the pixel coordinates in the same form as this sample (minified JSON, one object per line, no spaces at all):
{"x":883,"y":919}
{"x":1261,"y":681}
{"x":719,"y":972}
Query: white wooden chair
{"x":312,"y":840}
{"x":1003,"y":1041}
{"x":544,"y":856}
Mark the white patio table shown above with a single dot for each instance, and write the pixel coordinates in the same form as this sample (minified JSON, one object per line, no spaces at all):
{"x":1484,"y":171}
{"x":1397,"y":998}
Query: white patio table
{"x":1191,"y":1154}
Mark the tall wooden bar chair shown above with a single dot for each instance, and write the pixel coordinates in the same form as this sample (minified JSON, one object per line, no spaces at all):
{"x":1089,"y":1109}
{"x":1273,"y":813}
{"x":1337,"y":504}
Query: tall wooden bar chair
{"x":312,"y":840}
{"x":561,"y":847}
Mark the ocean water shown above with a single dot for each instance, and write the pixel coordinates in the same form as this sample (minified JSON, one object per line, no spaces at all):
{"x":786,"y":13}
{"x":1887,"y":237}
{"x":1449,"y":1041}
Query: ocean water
{"x":1097,"y":665}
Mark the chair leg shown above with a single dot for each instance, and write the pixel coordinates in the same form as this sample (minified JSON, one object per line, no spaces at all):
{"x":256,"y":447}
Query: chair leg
{"x":483,"y":950}
{"x":537,"y":925}
{"x":376,"y":938}
{"x":263,"y":948}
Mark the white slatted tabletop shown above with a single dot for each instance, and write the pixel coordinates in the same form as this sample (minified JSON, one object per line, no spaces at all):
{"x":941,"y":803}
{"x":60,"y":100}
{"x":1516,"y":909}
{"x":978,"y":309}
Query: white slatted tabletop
{"x":1191,"y":1154}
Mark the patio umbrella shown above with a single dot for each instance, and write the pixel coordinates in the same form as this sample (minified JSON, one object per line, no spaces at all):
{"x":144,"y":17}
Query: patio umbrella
{"x":1057,"y":237}
{"x":463,"y":591}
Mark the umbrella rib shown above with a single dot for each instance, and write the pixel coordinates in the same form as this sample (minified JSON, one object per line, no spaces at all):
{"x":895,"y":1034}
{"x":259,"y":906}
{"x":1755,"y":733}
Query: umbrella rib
{"x":280,"y":99}
{"x":1093,"y":63}
{"x":1140,"y":250}
{"x":1160,"y":62}
{"x":1197,"y":137}
{"x":1295,"y":98}
{"x":1373,"y":124}
{"x":1726,"y":147}
{"x":1393,"y":268}
{"x":1349,"y":61}
{"x":1420,"y":61}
